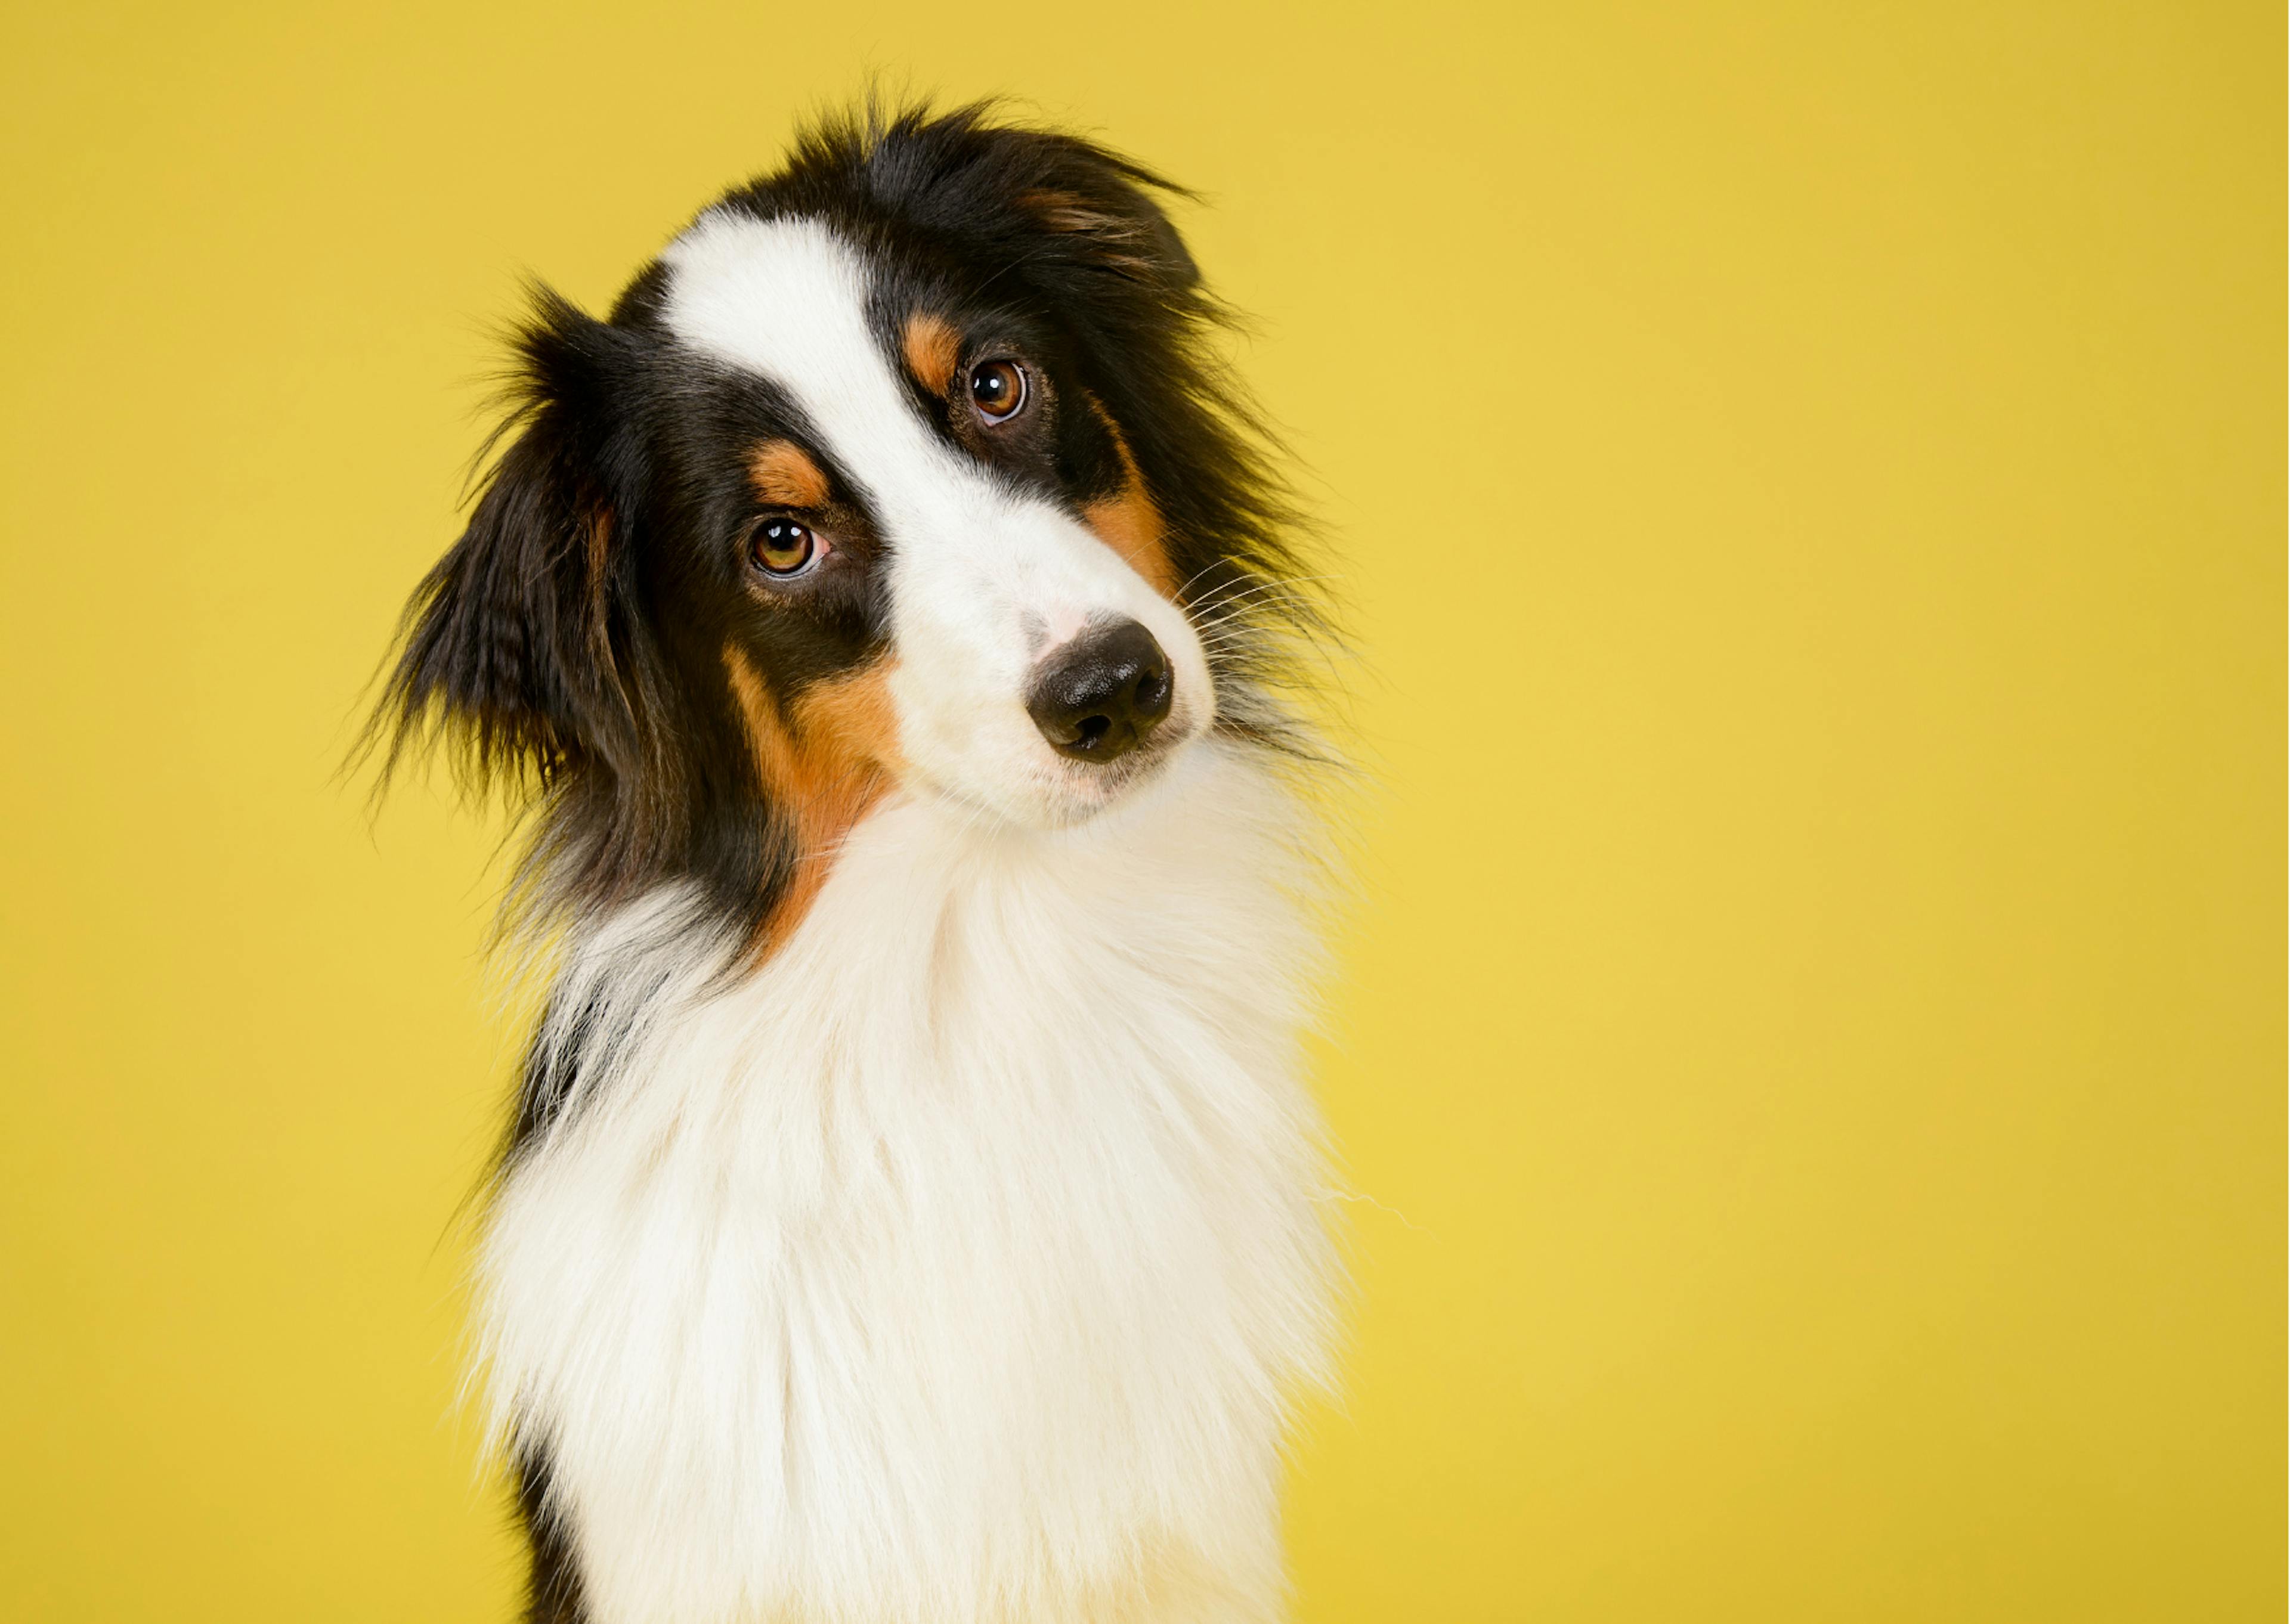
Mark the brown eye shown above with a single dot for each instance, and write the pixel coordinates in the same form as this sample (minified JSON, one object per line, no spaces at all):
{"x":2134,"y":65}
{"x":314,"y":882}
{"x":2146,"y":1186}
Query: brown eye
{"x":785,"y":547}
{"x":998,"y":388}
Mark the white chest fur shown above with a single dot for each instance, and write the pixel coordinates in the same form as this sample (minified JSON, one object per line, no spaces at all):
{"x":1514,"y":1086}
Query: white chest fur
{"x":954,"y":1267}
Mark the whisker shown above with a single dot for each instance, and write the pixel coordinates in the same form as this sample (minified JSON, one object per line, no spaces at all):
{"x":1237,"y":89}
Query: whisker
{"x":1259,"y":590}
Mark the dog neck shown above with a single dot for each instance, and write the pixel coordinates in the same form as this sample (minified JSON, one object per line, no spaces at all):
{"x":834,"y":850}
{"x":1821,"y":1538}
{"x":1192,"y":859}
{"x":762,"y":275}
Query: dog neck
{"x":992,"y":1195}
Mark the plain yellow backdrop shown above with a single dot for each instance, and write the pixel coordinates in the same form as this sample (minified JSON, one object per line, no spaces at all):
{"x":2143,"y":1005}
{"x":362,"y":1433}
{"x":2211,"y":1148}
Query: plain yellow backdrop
{"x":1808,"y":480}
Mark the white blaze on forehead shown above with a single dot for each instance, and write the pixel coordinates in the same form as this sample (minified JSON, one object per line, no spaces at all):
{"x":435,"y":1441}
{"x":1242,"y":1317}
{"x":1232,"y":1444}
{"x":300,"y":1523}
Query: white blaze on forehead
{"x":981,"y":574}
{"x":786,"y":299}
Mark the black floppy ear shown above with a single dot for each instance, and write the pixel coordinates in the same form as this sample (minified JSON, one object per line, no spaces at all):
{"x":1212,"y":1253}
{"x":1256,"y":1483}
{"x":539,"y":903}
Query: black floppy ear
{"x":1067,"y":209}
{"x":514,"y":643}
{"x":1103,"y":210}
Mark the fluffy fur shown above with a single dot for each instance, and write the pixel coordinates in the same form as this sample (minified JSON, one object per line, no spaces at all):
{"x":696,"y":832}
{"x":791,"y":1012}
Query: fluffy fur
{"x":912,"y":1213}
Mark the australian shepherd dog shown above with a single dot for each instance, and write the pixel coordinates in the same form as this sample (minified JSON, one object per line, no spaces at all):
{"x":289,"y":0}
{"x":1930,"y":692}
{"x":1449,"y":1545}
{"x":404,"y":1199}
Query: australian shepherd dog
{"x":886,"y":621}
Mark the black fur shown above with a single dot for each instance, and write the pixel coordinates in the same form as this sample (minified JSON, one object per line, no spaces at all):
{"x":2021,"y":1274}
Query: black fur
{"x":552,"y":1592}
{"x":572,"y":642}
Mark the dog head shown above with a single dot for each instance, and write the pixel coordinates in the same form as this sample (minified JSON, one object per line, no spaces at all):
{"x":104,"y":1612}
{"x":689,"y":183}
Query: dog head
{"x":903,"y":467}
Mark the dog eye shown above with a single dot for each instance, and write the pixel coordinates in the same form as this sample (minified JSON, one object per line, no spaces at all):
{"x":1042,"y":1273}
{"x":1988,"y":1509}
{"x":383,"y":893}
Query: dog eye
{"x":784,"y":548}
{"x":998,"y":388}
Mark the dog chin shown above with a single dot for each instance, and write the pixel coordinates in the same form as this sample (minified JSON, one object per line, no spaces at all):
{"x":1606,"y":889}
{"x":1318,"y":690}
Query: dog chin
{"x":1049,"y":793}
{"x":1083,"y":793}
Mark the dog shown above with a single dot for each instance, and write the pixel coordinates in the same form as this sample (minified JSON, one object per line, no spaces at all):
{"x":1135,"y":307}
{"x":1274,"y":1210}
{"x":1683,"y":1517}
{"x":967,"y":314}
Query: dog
{"x":892,"y":628}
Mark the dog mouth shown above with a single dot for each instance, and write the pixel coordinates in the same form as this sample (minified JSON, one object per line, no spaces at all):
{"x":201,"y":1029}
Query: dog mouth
{"x":1080,"y":790}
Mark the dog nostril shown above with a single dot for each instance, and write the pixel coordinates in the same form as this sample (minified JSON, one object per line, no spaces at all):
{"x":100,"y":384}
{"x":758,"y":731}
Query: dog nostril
{"x":1099,"y":696}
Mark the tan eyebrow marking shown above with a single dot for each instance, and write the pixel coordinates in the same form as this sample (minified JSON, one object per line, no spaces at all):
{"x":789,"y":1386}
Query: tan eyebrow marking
{"x":784,"y":475}
{"x":932,"y":349}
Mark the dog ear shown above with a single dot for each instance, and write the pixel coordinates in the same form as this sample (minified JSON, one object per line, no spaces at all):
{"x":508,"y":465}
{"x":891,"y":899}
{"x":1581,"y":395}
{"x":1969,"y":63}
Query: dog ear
{"x":1067,"y":210}
{"x":515,"y":643}
{"x":1103,"y":210}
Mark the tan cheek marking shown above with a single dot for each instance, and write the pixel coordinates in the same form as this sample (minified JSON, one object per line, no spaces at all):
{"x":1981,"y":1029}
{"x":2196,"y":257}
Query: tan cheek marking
{"x":825,"y":766}
{"x":785,"y":476}
{"x":1128,"y":522}
{"x":931,"y":349}
{"x":852,"y":719}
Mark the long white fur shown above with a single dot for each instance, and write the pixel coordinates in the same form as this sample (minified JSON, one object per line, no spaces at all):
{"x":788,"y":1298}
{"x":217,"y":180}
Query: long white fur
{"x":955,"y":1266}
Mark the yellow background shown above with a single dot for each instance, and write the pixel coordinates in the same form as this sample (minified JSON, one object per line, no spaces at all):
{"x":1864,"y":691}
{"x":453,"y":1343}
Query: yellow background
{"x":1809,"y":482}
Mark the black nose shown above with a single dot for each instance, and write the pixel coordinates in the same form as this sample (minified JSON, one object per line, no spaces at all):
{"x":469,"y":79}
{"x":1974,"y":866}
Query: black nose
{"x":1100,"y":695}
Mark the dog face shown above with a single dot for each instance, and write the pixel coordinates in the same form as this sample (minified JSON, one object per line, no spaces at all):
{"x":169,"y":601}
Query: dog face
{"x":900,"y":467}
{"x":930,"y":527}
